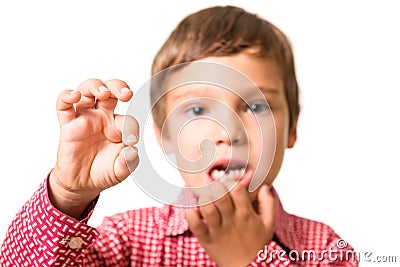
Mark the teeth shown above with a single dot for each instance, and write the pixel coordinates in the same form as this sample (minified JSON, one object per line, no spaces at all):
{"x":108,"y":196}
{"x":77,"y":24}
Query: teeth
{"x":231,"y":174}
{"x":216,"y":174}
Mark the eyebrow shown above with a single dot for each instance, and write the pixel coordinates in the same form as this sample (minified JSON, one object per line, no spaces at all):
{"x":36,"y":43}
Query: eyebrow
{"x":193,"y":91}
{"x":269,"y":90}
{"x":177,"y":94}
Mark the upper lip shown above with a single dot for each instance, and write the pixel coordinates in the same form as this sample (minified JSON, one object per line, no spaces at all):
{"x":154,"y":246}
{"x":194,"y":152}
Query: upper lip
{"x":227,"y":164}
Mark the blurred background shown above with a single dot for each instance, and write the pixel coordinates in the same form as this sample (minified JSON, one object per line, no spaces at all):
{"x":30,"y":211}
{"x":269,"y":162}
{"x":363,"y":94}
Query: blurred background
{"x":344,"y":168}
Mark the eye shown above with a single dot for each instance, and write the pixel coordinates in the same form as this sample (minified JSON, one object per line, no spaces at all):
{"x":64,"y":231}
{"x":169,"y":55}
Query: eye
{"x":258,"y":108}
{"x":196,"y":111}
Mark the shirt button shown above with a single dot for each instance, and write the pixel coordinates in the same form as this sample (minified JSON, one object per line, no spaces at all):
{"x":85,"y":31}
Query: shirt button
{"x":75,"y":242}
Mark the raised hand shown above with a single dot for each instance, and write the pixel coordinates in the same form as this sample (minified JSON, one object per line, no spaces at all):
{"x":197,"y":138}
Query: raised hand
{"x":96,"y":146}
{"x":230,"y":229}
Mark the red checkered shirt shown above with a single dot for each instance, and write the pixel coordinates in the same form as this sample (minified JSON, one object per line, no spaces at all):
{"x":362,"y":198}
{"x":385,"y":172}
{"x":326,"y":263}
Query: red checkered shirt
{"x":40,"y":235}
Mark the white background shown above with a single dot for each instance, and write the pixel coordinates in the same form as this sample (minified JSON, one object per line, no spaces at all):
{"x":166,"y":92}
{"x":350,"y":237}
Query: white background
{"x":344,"y":168}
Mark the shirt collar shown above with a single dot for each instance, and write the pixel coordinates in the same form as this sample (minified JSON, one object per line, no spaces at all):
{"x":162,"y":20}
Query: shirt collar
{"x":175,"y":215}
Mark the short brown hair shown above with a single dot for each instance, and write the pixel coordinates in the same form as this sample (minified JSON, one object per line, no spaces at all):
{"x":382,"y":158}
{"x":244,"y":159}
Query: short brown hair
{"x":224,"y":31}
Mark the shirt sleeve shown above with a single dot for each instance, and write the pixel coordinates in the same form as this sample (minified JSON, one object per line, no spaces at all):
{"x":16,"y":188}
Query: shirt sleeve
{"x":41,"y":235}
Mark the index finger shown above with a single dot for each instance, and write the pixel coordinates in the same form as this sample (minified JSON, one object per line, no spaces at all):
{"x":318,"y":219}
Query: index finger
{"x":65,"y":105}
{"x":222,"y":198}
{"x":92,"y":90}
{"x":119,"y":90}
{"x":241,"y":199}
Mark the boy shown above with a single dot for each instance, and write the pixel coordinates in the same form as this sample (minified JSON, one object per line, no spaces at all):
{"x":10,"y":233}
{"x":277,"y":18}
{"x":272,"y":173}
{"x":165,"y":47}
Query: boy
{"x":233,"y":225}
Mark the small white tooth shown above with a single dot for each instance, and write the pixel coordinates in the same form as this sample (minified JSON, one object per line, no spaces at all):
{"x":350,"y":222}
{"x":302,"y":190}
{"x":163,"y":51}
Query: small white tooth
{"x":214,"y":174}
{"x":222,"y":179}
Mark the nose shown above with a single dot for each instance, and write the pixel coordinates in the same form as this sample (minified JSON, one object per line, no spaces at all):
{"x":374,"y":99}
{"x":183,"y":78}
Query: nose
{"x":231,"y":131}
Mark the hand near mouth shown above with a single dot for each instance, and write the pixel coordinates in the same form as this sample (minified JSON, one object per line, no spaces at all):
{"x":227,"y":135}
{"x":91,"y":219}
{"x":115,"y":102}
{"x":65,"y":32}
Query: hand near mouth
{"x":229,"y":228}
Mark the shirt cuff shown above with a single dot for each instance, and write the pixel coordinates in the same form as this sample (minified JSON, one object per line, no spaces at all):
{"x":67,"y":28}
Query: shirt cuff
{"x":60,"y":236}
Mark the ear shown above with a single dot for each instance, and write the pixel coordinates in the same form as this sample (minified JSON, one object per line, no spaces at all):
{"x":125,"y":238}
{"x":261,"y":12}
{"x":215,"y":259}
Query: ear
{"x":292,"y":136}
{"x":162,"y":140}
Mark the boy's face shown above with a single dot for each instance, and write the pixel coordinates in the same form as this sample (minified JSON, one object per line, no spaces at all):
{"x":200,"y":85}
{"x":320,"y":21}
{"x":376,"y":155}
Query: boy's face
{"x":238,"y":134}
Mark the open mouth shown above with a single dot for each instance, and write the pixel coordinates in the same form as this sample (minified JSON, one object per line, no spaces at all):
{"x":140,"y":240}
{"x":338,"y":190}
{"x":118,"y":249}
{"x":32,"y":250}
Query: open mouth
{"x":226,"y":169}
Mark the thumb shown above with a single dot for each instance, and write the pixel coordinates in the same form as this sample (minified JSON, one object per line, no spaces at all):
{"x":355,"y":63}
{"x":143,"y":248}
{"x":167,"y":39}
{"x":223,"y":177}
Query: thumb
{"x":125,"y":163}
{"x":266,"y":205}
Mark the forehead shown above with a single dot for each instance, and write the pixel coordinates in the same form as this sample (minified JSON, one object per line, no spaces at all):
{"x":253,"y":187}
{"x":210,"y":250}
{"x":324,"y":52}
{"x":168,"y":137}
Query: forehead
{"x":242,"y":74}
{"x":262,"y":71}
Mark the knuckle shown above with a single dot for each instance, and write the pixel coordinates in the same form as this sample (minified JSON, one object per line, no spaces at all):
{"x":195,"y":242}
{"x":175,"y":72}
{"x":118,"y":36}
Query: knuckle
{"x":63,"y":94}
{"x":115,"y":83}
{"x":207,"y":210}
{"x":93,"y":81}
{"x":224,"y":202}
{"x":196,"y":226}
{"x":90,"y":84}
{"x":243,"y":215}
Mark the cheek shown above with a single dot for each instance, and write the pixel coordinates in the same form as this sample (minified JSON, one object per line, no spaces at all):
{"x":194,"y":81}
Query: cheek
{"x":194,"y":149}
{"x":191,"y":179}
{"x":188,"y":142}
{"x":282,"y":128}
{"x":263,"y":138}
{"x":267,"y":148}
{"x":262,"y":149}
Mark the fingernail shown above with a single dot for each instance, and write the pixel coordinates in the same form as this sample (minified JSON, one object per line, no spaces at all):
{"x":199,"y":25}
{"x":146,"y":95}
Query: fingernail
{"x":130,"y":153}
{"x":103,"y":89}
{"x":125,"y":90}
{"x":131,"y":138}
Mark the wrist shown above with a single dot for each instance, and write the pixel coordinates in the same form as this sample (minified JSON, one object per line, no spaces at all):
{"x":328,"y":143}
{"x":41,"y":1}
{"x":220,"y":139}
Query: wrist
{"x":67,"y":200}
